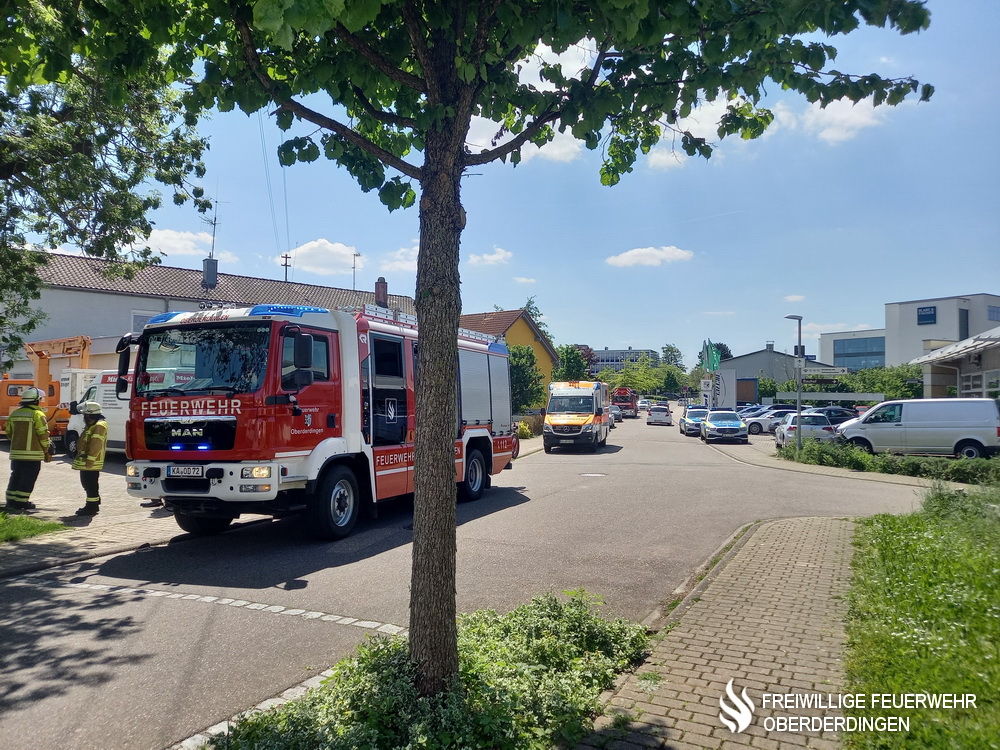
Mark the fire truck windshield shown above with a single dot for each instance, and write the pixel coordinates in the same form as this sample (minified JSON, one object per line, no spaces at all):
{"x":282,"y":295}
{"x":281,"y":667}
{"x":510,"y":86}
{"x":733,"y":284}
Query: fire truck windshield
{"x":188,"y":359}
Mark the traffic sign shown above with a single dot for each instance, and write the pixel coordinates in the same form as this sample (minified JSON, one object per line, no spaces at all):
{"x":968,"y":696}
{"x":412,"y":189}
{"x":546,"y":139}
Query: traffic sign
{"x":824,"y":371}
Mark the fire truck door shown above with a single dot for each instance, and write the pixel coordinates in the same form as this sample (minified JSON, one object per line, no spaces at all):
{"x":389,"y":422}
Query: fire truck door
{"x":390,"y":418}
{"x":320,"y":402}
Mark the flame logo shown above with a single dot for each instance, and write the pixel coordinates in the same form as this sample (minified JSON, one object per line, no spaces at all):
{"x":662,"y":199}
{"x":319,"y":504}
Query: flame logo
{"x":741,"y":710}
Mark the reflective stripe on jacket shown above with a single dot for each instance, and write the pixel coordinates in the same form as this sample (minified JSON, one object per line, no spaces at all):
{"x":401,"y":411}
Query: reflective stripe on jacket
{"x":28,"y":433}
{"x":90,"y":447}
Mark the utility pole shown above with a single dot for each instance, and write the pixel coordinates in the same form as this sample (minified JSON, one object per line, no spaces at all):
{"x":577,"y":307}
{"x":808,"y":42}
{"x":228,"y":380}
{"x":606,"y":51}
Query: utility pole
{"x":800,"y":356}
{"x":286,"y":257}
{"x":354,"y":271}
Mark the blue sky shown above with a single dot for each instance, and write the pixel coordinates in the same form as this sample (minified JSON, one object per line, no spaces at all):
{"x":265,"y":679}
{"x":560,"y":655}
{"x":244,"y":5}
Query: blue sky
{"x":829,"y":216}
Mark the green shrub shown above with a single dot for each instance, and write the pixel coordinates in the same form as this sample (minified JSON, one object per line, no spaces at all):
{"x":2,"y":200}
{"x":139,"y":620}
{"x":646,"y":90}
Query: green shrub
{"x":528,"y":679}
{"x":985,"y":471}
{"x":524,"y":430}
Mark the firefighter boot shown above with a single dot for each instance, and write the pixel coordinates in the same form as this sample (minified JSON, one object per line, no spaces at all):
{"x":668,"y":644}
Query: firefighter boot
{"x":90,"y":508}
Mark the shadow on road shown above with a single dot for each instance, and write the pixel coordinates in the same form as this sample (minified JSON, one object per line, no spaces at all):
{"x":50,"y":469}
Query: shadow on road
{"x":282,"y":554}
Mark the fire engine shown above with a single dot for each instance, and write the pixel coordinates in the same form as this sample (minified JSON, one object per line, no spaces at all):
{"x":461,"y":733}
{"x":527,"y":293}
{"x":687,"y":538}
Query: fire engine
{"x":275,"y":409}
{"x":627,"y":400}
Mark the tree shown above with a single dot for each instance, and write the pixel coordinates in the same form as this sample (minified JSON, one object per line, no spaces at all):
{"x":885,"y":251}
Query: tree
{"x":723,"y":349}
{"x":527,"y":384}
{"x":900,"y":381}
{"x":587,"y":353}
{"x":671,"y":355}
{"x":766,"y":388}
{"x":75,"y":157}
{"x":639,"y":375}
{"x":405,"y":78}
{"x":571,"y":365}
{"x":674,"y":378}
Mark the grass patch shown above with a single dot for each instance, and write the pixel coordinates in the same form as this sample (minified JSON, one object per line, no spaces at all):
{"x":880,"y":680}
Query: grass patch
{"x":15,"y":527}
{"x":984,"y":471}
{"x":925,"y":618}
{"x":529,"y":679}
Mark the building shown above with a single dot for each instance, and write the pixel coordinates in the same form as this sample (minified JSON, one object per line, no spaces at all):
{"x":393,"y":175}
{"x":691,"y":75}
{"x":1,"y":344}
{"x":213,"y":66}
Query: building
{"x":616,"y":359}
{"x":910,"y":329}
{"x":970,"y":366}
{"x":765,"y":363}
{"x":79,"y":299}
{"x":519,"y":329}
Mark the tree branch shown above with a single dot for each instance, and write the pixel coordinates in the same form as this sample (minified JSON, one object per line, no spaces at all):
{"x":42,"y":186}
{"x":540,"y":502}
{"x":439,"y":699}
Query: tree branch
{"x":523,"y":137}
{"x":411,"y":17}
{"x":380,"y":63}
{"x":388,"y":118}
{"x":310,"y":115}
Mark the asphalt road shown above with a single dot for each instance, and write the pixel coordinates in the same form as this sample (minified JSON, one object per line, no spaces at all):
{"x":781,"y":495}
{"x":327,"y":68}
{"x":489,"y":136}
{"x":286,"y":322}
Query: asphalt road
{"x":88,"y":667}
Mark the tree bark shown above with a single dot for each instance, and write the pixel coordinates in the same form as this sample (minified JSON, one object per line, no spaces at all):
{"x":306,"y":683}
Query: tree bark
{"x":433,"y":628}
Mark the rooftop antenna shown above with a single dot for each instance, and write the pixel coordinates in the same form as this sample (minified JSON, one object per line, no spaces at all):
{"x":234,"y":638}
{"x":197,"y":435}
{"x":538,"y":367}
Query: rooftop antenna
{"x":286,"y":257}
{"x":354,"y":271}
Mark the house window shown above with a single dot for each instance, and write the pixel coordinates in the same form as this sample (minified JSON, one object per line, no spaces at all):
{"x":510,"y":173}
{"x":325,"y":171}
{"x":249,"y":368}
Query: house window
{"x":140,"y":318}
{"x":992,"y":383}
{"x":972,"y":385}
{"x":993,"y":312}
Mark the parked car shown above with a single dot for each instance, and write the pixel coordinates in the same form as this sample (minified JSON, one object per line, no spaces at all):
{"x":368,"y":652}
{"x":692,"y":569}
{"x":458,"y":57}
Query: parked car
{"x":723,"y":425}
{"x":765,"y":421}
{"x":812,"y":427}
{"x":756,"y":411}
{"x":963,"y":427}
{"x":643,"y":403}
{"x":836,"y":414}
{"x":690,"y":423}
{"x":614,"y":415}
{"x":659,"y":415}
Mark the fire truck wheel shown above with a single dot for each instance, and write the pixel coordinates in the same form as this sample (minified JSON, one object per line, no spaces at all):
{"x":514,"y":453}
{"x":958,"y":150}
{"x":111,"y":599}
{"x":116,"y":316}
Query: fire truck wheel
{"x":333,"y":510}
{"x":70,"y":440}
{"x":202,"y":525}
{"x":475,"y":477}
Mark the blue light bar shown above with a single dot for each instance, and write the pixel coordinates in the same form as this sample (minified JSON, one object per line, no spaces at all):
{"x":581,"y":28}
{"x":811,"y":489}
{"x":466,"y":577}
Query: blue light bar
{"x":164,"y":317}
{"x":176,"y":447}
{"x":203,"y":447}
{"x":292,"y":311}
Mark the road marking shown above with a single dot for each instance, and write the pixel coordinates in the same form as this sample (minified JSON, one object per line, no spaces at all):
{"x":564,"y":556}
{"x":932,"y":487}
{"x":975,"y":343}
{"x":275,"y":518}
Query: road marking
{"x":386,"y":628}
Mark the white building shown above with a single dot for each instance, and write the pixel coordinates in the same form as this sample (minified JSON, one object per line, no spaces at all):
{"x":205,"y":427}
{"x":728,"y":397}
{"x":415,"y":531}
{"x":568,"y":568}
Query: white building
{"x":617,"y":359}
{"x":911,"y":329}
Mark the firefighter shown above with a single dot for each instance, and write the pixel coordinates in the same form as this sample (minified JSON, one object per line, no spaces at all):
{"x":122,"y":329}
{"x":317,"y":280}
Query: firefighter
{"x":28,"y":432}
{"x":89,"y":459}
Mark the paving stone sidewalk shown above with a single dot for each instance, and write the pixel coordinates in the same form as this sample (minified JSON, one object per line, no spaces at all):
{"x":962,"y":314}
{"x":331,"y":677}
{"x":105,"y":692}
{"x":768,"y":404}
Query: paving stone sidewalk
{"x":771,"y":620}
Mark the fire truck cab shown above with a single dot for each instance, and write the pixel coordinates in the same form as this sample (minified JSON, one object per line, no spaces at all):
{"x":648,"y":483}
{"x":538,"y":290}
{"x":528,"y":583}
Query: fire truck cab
{"x":298,"y":409}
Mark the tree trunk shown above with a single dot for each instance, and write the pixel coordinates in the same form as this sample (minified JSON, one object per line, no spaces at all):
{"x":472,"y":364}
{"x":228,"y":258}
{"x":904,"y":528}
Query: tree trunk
{"x":433,"y":629}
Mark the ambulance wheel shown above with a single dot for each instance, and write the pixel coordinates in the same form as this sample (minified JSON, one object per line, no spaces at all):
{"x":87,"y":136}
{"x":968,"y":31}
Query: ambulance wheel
{"x":332,"y":512}
{"x":547,"y":448}
{"x":202,"y":525}
{"x":471,"y":488}
{"x":70,"y":441}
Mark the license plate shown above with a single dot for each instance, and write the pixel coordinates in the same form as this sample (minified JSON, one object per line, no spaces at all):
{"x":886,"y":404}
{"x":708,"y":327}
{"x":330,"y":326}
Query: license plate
{"x":570,"y":442}
{"x":184,"y":471}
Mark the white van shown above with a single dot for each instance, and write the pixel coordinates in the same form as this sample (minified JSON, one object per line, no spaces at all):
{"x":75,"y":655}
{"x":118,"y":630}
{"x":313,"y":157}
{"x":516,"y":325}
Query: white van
{"x":964,"y":427}
{"x":114,"y":409}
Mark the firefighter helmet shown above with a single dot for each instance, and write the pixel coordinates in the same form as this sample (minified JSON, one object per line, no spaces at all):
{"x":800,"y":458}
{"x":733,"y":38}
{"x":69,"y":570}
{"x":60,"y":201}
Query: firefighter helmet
{"x":31,"y":396}
{"x":89,"y":407}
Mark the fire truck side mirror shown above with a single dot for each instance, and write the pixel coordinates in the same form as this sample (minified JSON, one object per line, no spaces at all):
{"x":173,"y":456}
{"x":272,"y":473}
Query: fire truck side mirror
{"x":302,"y":378}
{"x":303,"y":351}
{"x":121,"y":386}
{"x":123,"y":359}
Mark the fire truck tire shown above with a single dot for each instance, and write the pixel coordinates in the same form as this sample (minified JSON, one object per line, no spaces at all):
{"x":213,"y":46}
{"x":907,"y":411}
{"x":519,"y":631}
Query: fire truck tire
{"x":202,"y":525}
{"x":333,"y":510}
{"x":471,"y":488}
{"x":69,"y":441}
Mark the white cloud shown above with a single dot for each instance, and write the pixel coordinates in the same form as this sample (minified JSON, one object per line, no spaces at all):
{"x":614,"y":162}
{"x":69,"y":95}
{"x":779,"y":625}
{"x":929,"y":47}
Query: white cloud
{"x":794,"y":298}
{"x":404,"y":259}
{"x":662,"y":158}
{"x":649,"y":256}
{"x":498,"y":256}
{"x":524,"y":280}
{"x":839,"y":121}
{"x":719,"y":312}
{"x":325,"y":258}
{"x":172,"y":243}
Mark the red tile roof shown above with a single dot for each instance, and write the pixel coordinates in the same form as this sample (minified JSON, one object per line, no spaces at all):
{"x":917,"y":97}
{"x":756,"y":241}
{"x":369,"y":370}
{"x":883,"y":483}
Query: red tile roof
{"x":78,"y":272}
{"x":497,"y":323}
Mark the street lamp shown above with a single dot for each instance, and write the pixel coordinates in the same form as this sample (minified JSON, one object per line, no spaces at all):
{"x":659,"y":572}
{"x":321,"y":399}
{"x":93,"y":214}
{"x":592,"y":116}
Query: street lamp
{"x":799,"y":355}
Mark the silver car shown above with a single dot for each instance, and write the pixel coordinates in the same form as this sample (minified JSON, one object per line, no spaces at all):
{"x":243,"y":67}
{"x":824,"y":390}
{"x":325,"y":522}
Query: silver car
{"x":614,"y":416}
{"x":813,"y":427}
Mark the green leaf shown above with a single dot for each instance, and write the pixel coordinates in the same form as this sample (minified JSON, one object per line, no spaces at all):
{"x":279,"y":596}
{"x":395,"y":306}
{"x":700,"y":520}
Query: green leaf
{"x":269,"y":15}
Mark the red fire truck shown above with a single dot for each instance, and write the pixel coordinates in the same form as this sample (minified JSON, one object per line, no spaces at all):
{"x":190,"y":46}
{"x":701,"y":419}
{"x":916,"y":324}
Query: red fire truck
{"x":627,"y":400}
{"x":297,"y":409}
